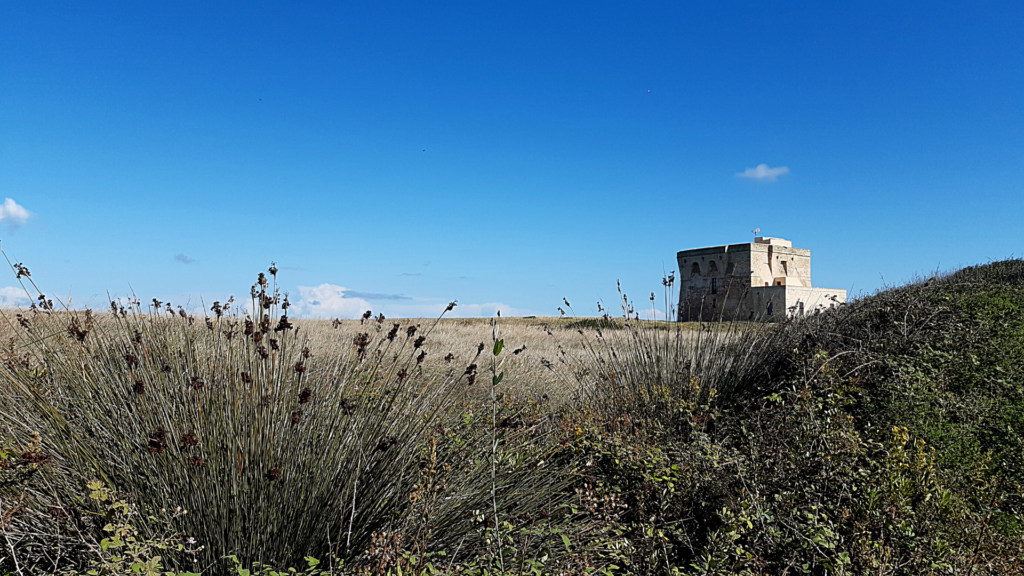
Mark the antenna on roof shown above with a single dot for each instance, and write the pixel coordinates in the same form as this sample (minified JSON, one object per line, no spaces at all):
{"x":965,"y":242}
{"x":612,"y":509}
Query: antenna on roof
{"x":756,"y":231}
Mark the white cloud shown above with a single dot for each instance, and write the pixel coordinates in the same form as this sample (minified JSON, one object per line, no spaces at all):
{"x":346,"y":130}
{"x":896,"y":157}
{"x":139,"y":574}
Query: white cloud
{"x":651,"y":314}
{"x":11,"y":297}
{"x":328,"y":301}
{"x":13,"y":214}
{"x":763,"y":173}
{"x":332,"y":301}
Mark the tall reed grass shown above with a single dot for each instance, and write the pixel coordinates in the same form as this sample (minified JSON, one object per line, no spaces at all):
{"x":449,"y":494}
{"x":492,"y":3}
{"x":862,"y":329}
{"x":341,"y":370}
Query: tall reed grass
{"x":276,"y":448}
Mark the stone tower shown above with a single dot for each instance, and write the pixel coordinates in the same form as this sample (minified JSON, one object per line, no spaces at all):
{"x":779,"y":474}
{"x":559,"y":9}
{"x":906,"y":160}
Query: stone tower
{"x":767,"y":278}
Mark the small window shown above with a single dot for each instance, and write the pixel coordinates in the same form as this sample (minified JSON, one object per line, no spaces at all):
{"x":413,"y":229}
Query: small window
{"x":785,"y":269}
{"x":712,"y":268}
{"x":714,"y":285}
{"x":729,"y":269}
{"x":695,"y":269}
{"x":769,"y":308}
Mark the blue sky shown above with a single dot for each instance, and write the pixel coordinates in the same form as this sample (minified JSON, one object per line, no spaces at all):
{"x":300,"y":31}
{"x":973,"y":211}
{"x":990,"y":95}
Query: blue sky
{"x":401,"y":155}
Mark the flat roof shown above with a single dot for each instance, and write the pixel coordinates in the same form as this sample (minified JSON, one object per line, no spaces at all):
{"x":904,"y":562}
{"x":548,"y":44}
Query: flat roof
{"x":746,"y":247}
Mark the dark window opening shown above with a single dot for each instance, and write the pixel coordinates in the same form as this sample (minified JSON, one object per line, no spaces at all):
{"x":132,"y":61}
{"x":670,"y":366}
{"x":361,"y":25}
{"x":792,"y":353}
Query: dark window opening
{"x":695,"y":270}
{"x":714,"y":285}
{"x":712,"y":267}
{"x":769,"y":308}
{"x":729,"y":269}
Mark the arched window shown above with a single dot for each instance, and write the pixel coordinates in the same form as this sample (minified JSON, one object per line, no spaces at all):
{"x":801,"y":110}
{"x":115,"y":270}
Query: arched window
{"x":695,"y":270}
{"x":712,"y":268}
{"x":729,"y":269}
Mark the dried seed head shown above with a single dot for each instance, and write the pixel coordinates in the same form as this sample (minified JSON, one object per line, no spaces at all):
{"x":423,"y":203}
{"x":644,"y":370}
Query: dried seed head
{"x":197,"y":462}
{"x":451,"y":306}
{"x":419,"y":342}
{"x":361,"y":341}
{"x":422,"y":356}
{"x":246,"y":378}
{"x":394,"y":331}
{"x":336,"y":323}
{"x":157,"y":441}
{"x":366,"y":316}
{"x":273,"y":474}
{"x":410,"y":331}
{"x":296,"y":417}
{"x":300,"y":367}
{"x":263,"y":352}
{"x":402,"y":374}
{"x":188,"y":441}
{"x":448,"y":359}
{"x":76,"y":331}
{"x":305,"y":396}
{"x":274,"y":345}
{"x":306,"y":353}
{"x":139,"y":387}
{"x":195,"y":383}
{"x":131,"y":360}
{"x":283,"y":323}
{"x":346,"y":406}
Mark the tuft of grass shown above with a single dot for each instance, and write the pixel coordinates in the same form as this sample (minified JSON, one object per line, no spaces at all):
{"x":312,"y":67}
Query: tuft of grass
{"x":275,"y":447}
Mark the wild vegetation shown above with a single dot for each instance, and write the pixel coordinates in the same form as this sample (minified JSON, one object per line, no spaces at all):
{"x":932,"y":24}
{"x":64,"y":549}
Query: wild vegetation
{"x":882,"y":437}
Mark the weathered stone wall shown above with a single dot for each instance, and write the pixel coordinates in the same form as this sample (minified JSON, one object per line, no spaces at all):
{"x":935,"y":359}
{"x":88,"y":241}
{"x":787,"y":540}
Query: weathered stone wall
{"x":807,"y":300}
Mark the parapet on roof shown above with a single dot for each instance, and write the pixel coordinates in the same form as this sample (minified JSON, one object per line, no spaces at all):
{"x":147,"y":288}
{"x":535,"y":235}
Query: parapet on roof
{"x":773,"y":241}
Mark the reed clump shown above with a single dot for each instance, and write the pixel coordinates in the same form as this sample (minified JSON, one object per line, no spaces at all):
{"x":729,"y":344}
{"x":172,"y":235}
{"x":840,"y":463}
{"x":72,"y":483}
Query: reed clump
{"x":271,"y":446}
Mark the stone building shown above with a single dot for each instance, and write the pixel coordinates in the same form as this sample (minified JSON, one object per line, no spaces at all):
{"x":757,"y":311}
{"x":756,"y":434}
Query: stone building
{"x":768,"y":278}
